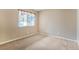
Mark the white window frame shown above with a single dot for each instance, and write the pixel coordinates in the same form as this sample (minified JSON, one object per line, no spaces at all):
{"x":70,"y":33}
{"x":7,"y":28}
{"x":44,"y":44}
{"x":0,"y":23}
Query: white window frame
{"x":25,"y":21}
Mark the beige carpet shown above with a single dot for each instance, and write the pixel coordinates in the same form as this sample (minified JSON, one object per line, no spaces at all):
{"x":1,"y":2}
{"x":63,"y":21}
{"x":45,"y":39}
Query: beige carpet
{"x":41,"y":42}
{"x":53,"y":43}
{"x":22,"y":43}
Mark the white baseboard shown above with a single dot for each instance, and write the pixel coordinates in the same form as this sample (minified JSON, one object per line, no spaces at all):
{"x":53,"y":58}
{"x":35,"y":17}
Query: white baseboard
{"x":26,"y":36}
{"x":66,"y":38}
{"x":59,"y":37}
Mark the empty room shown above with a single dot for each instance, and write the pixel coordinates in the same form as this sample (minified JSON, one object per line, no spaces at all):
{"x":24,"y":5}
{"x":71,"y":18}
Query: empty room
{"x":39,"y":29}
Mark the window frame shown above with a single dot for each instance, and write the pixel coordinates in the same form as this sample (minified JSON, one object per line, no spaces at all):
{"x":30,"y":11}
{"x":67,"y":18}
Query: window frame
{"x":27,"y":18}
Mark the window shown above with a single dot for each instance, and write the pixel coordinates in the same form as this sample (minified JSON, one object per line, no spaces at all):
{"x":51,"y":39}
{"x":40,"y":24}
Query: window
{"x":26,"y":19}
{"x":31,"y":19}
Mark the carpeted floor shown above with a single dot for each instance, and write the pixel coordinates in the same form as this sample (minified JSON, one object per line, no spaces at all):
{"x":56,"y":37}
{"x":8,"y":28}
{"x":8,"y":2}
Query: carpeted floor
{"x":53,"y":43}
{"x":41,"y":42}
{"x":22,"y":43}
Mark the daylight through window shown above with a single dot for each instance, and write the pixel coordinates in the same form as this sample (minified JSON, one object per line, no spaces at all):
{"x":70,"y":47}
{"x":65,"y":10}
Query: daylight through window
{"x":26,"y":19}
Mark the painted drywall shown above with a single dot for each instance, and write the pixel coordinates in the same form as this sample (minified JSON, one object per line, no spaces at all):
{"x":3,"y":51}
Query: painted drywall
{"x":9,"y":25}
{"x":60,"y":22}
{"x":78,"y":25}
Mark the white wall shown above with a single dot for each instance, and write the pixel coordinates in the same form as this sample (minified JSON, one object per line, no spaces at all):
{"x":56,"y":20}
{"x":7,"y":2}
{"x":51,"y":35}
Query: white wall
{"x":58,"y":22}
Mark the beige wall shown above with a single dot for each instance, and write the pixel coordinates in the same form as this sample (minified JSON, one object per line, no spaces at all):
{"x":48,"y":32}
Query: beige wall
{"x":58,"y":22}
{"x":53,"y":22}
{"x":9,"y":25}
{"x":78,"y":25}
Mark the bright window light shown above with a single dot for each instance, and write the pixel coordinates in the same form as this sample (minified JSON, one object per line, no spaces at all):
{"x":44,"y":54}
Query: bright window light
{"x":26,"y":19}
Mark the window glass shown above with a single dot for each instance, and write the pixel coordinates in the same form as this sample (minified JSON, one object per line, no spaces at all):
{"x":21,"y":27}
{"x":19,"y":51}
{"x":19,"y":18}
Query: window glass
{"x":26,"y":19}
